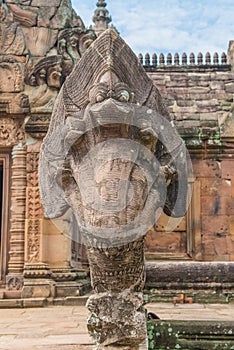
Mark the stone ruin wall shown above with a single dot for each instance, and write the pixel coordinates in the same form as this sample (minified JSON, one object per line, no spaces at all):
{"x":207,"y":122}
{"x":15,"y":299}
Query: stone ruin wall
{"x":199,"y":95}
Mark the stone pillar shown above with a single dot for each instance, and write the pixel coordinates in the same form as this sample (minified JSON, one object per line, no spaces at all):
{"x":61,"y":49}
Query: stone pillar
{"x":37,"y":281}
{"x":17,"y":222}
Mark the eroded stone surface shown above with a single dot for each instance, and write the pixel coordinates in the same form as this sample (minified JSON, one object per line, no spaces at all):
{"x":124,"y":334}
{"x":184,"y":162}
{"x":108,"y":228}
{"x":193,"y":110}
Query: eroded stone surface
{"x":117,"y":318}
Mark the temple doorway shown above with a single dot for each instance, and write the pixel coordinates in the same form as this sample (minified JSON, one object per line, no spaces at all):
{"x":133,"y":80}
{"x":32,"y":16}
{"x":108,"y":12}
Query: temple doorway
{"x":4,"y":209}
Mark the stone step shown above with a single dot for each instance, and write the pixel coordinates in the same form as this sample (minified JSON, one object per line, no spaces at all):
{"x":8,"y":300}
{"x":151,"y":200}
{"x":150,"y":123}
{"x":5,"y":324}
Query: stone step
{"x":10,"y":294}
{"x":19,"y":302}
{"x":192,"y":335}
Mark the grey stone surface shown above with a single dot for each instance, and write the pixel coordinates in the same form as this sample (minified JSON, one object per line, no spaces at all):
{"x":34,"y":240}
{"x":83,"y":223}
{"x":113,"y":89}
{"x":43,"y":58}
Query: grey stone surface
{"x":64,"y":327}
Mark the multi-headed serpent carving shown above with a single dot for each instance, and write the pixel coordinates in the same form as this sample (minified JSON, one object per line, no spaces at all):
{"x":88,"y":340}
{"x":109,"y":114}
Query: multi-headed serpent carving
{"x":113,"y":156}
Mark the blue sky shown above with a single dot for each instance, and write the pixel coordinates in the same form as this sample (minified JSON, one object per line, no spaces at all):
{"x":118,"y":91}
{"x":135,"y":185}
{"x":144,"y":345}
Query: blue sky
{"x":169,"y":26}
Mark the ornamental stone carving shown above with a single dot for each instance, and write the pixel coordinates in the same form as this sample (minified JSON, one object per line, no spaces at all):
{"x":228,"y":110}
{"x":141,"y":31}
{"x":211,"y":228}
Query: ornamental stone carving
{"x":12,"y":75}
{"x":113,"y":157}
{"x":73,"y":43}
{"x":44,"y":81}
{"x":11,"y":132}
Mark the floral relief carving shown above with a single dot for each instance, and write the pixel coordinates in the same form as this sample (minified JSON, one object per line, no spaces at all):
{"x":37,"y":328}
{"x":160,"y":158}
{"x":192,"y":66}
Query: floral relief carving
{"x":33,"y":239}
{"x":11,"y":132}
{"x":34,"y":207}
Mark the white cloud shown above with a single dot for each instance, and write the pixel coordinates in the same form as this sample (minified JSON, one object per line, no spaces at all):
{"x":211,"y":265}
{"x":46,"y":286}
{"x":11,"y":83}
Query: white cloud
{"x":169,"y":26}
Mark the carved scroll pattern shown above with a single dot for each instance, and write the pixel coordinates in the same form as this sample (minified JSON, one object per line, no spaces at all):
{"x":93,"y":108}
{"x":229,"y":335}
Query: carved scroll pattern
{"x":34,"y":210}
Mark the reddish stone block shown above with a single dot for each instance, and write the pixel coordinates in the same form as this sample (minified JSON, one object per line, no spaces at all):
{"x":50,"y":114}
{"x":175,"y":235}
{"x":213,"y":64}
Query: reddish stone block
{"x":208,"y":249}
{"x":227,"y":167}
{"x":214,"y":205}
{"x":165,"y":242}
{"x":216,"y":187}
{"x":232,"y":186}
{"x":218,"y":224}
{"x":206,"y":168}
{"x":230,"y":244}
{"x":231,"y":225}
{"x":229,"y":205}
{"x":220,"y":244}
{"x":224,"y":257}
{"x":35,"y":147}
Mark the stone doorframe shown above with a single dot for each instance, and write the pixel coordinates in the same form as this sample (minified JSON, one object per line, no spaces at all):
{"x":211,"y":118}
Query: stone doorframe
{"x":5,"y":163}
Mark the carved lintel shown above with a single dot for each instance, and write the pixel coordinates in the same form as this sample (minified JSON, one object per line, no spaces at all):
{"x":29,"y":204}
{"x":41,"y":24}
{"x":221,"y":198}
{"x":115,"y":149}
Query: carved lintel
{"x":40,"y":40}
{"x":37,"y":125}
{"x":23,"y":16}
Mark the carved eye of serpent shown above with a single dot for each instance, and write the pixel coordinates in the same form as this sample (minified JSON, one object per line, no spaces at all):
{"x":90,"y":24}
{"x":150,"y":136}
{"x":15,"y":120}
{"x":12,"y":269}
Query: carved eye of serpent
{"x":98,"y":93}
{"x":123,"y":96}
{"x":122,"y":92}
{"x":101,"y":96}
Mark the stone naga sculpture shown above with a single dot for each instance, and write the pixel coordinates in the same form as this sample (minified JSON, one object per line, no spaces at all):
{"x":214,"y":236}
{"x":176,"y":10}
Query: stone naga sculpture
{"x":113,"y":156}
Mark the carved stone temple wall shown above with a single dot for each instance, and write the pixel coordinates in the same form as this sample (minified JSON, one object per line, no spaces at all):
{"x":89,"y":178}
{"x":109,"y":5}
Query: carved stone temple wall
{"x":39,"y":46}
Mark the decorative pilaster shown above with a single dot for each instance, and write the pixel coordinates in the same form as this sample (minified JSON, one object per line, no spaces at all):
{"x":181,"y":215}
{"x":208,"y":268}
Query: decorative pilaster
{"x":17,"y":221}
{"x":37,"y":276}
{"x":34,"y":212}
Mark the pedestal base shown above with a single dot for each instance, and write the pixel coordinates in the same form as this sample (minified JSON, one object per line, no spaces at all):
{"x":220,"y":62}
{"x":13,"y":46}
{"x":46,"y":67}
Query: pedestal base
{"x":117,"y":320}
